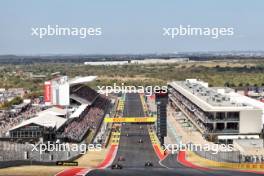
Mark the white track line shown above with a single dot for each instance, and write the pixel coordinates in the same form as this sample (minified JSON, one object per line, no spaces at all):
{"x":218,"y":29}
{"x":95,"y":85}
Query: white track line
{"x":163,"y":164}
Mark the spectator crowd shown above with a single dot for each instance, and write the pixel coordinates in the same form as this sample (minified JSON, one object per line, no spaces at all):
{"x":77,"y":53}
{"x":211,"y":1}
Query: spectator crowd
{"x":77,"y":128}
{"x":11,"y":118}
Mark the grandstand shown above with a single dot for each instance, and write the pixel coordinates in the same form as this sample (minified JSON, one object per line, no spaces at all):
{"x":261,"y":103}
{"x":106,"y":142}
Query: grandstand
{"x":79,"y":122}
{"x":44,"y":125}
{"x":86,"y":114}
{"x":10,"y":118}
{"x":89,"y":120}
{"x":57,"y":124}
{"x":82,"y":94}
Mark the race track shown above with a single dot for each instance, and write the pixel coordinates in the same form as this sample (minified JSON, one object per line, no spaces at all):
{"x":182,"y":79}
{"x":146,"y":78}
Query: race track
{"x":136,"y":154}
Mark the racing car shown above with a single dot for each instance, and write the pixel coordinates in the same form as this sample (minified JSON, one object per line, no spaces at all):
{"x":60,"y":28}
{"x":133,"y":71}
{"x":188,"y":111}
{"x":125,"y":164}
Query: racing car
{"x":116,"y":166}
{"x":148,"y":164}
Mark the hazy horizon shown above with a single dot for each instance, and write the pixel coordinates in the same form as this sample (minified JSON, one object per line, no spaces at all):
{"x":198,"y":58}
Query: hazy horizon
{"x":129,"y":27}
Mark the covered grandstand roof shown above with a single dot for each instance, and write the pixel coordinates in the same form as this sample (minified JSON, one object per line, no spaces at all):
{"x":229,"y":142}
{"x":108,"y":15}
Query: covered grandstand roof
{"x":83,"y":94}
{"x":80,"y":100}
{"x":78,"y":111}
{"x":43,"y":119}
{"x":81,"y":80}
{"x":55,"y":111}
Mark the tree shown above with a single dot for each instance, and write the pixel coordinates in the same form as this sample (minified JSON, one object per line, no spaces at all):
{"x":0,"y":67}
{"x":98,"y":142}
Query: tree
{"x":15,"y":101}
{"x":240,"y":84}
{"x":227,"y":84}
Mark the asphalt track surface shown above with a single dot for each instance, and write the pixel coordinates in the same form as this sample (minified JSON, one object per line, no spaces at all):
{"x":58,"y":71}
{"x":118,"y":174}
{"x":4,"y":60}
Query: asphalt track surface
{"x":136,"y":154}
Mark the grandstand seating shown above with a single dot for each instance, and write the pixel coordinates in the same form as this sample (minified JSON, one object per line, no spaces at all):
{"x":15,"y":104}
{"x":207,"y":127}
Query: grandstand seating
{"x":76,"y":129}
{"x":10,"y":119}
{"x":84,"y":92}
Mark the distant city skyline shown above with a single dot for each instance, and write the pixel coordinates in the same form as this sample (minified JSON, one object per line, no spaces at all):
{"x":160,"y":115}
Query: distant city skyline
{"x":133,"y":27}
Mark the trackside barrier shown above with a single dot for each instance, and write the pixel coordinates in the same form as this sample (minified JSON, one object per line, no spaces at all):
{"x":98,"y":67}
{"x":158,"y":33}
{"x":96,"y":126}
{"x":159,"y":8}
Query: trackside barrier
{"x":144,"y":105}
{"x":221,"y":156}
{"x":209,"y":163}
{"x":156,"y":145}
{"x":130,"y":120}
{"x":115,"y":136}
{"x":14,"y":163}
{"x":120,"y":105}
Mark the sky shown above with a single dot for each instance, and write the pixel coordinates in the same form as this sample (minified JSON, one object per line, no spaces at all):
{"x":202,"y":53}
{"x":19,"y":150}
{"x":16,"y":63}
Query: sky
{"x":129,"y":27}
